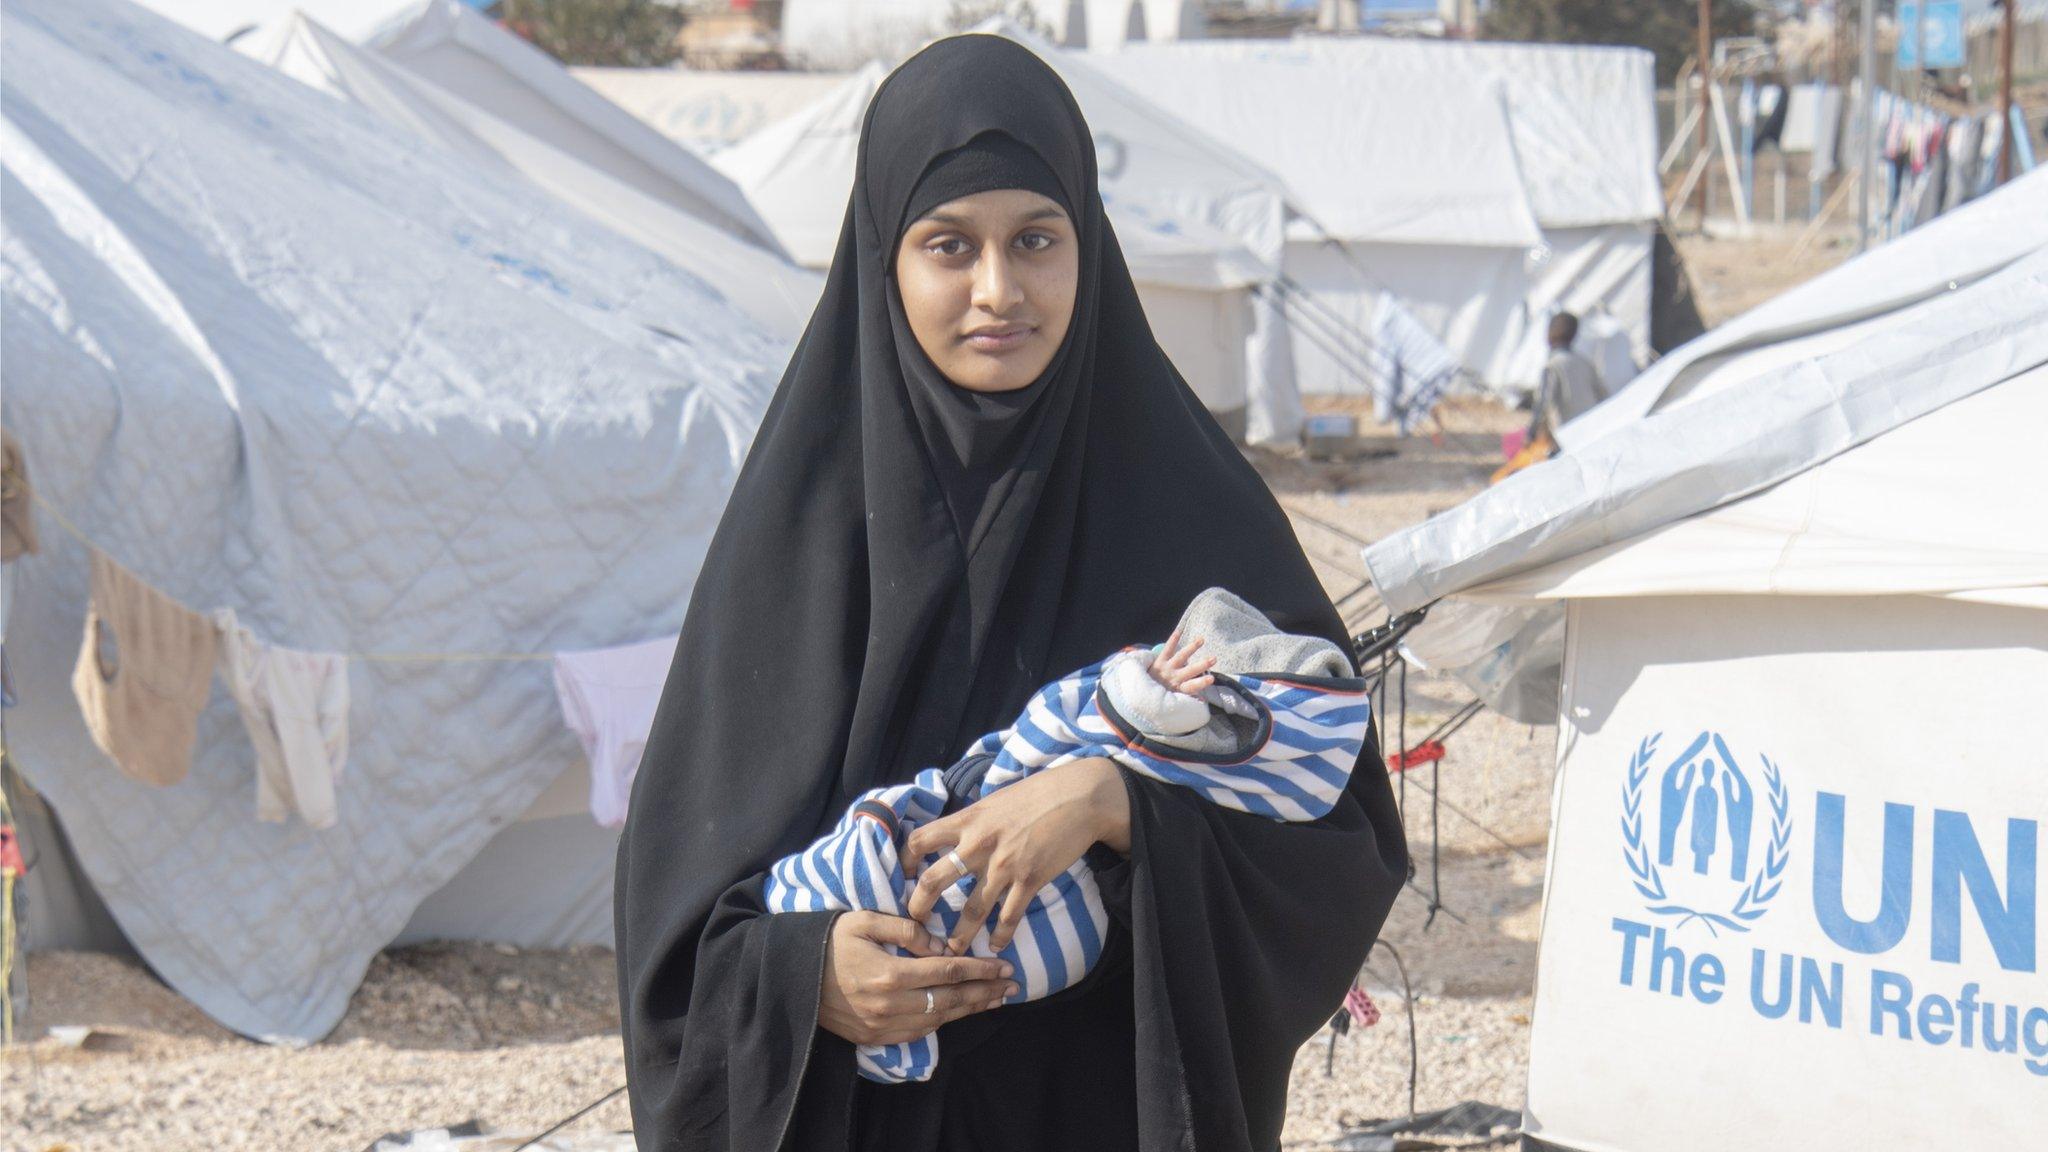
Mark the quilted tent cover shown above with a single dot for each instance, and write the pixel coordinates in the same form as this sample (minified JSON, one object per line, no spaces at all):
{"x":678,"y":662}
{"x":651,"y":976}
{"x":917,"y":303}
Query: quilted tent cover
{"x":271,"y":356}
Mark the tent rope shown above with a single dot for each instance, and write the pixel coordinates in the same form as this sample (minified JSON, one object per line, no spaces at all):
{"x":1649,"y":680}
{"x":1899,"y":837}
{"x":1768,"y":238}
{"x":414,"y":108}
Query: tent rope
{"x":571,"y":1118}
{"x":65,"y":523}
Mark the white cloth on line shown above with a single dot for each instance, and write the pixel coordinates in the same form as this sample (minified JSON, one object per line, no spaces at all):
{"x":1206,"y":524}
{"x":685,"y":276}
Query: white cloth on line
{"x":1410,"y":367}
{"x":608,"y":698}
{"x":295,"y":706}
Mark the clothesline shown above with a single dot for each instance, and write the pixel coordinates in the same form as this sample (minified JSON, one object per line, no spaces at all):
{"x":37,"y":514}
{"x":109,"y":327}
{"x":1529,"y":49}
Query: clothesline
{"x":65,"y":523}
{"x":295,"y":704}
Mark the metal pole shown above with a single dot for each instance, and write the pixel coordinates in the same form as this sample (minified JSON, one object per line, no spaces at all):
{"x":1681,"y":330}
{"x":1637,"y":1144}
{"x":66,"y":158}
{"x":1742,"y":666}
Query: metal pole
{"x":1869,"y":63}
{"x":2005,"y":39}
{"x":1705,"y":75}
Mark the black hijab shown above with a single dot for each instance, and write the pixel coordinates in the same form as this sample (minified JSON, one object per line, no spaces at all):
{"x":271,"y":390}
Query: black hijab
{"x":898,"y":569}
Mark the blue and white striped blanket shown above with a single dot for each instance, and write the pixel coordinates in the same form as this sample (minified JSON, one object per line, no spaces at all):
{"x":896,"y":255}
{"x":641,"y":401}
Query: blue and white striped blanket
{"x":1290,"y":744}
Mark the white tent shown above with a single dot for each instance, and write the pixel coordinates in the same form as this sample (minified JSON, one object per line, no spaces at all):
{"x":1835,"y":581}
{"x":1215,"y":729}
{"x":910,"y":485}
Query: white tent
{"x":776,"y":293}
{"x":448,"y":44}
{"x":708,"y":110}
{"x":1840,"y":305}
{"x":1179,"y":206}
{"x":451,"y":46}
{"x":1485,"y":185}
{"x":225,"y":19}
{"x":273,"y":355}
{"x":1794,"y":628}
{"x":849,"y":33}
{"x":1113,"y":23}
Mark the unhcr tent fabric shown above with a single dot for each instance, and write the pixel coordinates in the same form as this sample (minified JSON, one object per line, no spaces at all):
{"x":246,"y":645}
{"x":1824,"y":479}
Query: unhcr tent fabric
{"x":1954,"y":503}
{"x":274,"y":356}
{"x":1481,"y":233}
{"x":1840,"y":950}
{"x":795,"y":172}
{"x":774,"y":292}
{"x":708,"y":110}
{"x":1583,"y":117}
{"x":1792,"y":626}
{"x":1950,"y":251}
{"x":1429,"y":158}
{"x":1795,"y":853}
{"x":1762,"y":417}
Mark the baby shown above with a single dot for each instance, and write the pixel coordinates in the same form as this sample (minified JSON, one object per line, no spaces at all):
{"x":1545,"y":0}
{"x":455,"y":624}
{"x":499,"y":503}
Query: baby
{"x":1272,"y":726}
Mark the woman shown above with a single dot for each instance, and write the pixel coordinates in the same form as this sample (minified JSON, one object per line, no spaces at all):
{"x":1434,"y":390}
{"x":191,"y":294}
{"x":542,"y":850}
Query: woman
{"x":979,"y":472}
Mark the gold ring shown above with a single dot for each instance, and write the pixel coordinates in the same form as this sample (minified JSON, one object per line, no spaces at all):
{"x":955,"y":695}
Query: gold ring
{"x":953,"y":858}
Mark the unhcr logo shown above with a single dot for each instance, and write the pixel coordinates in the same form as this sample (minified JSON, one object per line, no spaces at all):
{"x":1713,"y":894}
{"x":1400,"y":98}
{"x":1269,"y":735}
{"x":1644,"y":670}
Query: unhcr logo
{"x":1710,"y":849}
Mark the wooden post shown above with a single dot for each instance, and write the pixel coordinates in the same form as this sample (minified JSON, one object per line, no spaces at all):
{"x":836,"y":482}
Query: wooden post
{"x":2006,"y":32}
{"x":1705,"y":75}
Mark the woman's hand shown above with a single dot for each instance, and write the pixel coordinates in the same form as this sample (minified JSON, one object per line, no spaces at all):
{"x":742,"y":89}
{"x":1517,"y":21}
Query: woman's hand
{"x":873,"y":996}
{"x":1017,"y":839}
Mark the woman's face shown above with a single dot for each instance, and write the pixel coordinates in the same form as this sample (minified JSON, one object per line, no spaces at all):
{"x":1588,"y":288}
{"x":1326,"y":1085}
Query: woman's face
{"x":988,"y":284}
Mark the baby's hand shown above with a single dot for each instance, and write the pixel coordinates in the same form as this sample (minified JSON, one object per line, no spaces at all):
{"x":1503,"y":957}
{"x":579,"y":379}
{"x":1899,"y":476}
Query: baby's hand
{"x":1176,"y":667}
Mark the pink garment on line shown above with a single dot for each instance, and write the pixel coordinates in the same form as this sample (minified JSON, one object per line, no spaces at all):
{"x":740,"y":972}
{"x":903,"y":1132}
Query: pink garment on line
{"x":608,"y":698}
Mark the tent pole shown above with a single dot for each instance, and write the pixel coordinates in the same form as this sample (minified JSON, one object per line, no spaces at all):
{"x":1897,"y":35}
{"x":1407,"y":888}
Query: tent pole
{"x":1686,"y":120}
{"x":2006,"y":32}
{"x":1729,"y":163}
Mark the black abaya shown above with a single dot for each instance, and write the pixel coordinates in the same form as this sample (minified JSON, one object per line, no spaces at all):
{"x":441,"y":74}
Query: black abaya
{"x":842,"y":635}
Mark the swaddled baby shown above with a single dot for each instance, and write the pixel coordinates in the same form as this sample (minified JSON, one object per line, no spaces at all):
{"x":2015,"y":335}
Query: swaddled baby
{"x":1274,"y":729}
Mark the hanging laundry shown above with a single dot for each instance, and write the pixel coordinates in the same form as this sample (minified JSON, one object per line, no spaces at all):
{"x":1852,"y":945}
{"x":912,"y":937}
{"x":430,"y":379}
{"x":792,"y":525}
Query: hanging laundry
{"x":1772,"y":108}
{"x":143,"y":674}
{"x":1411,"y":366}
{"x":1964,"y":142}
{"x":1364,"y":1013}
{"x":295,"y":706}
{"x":17,"y":511}
{"x":608,"y":697}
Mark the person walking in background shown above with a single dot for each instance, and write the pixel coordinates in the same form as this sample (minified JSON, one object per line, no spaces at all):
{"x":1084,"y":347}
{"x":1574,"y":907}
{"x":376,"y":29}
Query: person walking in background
{"x":1570,"y":386}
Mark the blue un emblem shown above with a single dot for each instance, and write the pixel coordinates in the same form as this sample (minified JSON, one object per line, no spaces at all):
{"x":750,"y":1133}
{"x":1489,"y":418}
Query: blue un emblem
{"x":1710,"y":847}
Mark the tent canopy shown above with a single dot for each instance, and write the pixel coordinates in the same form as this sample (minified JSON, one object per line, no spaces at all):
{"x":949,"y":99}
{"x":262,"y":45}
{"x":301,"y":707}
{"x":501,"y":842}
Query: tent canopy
{"x":1484,"y":186}
{"x":800,"y":171}
{"x":1761,"y":419}
{"x":1367,"y":154}
{"x":1582,"y":117}
{"x":450,"y":45}
{"x":291,"y":361}
{"x":219,"y":19}
{"x":1952,"y":250}
{"x":776,"y":293}
{"x":1950,"y":504}
{"x":849,"y":33}
{"x":1199,"y":225}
